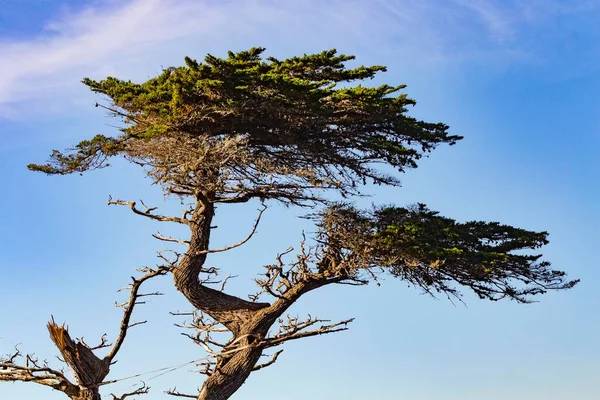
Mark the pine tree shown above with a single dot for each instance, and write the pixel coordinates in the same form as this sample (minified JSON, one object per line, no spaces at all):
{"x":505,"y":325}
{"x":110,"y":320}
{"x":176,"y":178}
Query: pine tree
{"x":298,"y":131}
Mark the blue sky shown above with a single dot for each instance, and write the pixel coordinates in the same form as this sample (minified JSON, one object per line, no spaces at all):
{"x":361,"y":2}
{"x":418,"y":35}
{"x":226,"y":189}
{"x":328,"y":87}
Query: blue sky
{"x":517,"y":78}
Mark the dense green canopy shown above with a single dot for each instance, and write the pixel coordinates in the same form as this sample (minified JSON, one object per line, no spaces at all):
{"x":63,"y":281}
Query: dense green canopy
{"x":262,"y":123}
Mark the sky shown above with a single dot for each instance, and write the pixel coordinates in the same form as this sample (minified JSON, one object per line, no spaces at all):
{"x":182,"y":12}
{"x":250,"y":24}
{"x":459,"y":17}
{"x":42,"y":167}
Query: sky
{"x":519,"y":79}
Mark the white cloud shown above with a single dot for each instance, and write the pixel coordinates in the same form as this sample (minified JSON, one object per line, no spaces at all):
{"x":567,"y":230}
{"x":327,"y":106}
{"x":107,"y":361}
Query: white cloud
{"x":94,"y":40}
{"x":135,"y":38}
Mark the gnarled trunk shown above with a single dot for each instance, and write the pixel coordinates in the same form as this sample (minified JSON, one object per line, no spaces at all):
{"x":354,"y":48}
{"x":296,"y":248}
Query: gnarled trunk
{"x":229,"y":310}
{"x":89,"y":370}
{"x":87,"y":394}
{"x":229,"y":377}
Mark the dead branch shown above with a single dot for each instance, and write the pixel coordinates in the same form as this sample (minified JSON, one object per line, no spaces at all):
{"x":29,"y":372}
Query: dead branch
{"x":208,"y":367}
{"x":158,"y":236}
{"x":169,"y":262}
{"x":148,"y":213}
{"x":142,"y":390}
{"x":240,"y":243}
{"x":205,"y":327}
{"x":294,"y":329}
{"x":34,"y":371}
{"x":224,"y":282}
{"x":103,"y":343}
{"x":270,"y":362}
{"x":129,"y":306}
{"x":313,"y":267}
{"x":89,"y":370}
{"x":174,"y":392}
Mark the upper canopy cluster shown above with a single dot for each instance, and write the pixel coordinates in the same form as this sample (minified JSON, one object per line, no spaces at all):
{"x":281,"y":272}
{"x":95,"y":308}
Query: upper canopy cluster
{"x":243,"y":126}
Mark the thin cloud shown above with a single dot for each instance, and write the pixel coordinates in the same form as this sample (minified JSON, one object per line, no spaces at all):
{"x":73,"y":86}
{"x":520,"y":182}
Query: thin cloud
{"x":92,"y":40}
{"x":499,"y":22}
{"x":121,"y":39}
{"x":134,"y":39}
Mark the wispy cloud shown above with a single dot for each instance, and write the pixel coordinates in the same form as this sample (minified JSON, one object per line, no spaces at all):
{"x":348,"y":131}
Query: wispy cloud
{"x":498,"y":19}
{"x":136,"y":37}
{"x":95,"y":40}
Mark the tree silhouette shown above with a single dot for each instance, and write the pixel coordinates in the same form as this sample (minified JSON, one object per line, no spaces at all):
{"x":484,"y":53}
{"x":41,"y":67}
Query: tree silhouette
{"x":299,"y":131}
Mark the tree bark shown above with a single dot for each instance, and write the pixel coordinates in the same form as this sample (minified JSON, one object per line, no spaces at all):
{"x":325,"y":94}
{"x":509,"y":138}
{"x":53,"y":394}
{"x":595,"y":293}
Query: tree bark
{"x":229,"y":310}
{"x":88,"y":394}
{"x":230,"y":376}
{"x":88,"y":369}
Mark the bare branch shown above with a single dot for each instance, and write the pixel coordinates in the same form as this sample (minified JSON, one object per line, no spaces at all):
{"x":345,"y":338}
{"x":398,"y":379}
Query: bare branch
{"x":270,"y":362}
{"x":233,"y":246}
{"x":129,"y":306}
{"x":172,"y":263}
{"x":224,"y":283}
{"x":205,"y":328}
{"x":158,"y":236}
{"x":148,"y":213}
{"x":142,"y":390}
{"x":174,"y":392}
{"x":33,"y":371}
{"x":103,"y":343}
{"x":181,"y":313}
{"x":294,"y":331}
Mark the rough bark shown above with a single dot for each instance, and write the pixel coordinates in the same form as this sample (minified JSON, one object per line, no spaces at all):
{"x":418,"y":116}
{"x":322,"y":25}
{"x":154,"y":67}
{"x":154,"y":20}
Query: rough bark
{"x":88,"y":369}
{"x":230,"y":376}
{"x":229,"y":310}
{"x":231,"y":373}
{"x":88,"y":394}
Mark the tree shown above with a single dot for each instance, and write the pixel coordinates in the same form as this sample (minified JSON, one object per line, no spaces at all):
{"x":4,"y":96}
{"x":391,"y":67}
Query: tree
{"x":295,"y":131}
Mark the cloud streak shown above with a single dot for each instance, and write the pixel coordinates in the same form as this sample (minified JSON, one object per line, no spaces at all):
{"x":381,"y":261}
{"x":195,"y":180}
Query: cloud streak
{"x":135,"y":38}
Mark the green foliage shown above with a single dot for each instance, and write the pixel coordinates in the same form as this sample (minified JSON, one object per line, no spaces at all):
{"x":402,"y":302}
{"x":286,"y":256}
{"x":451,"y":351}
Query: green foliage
{"x":87,"y":154}
{"x":435,"y":253}
{"x":242,"y":127}
{"x":293,"y":113}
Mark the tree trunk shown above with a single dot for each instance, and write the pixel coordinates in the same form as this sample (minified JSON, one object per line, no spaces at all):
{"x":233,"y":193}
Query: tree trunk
{"x":228,"y":378}
{"x":88,"y":369}
{"x":233,"y":312}
{"x":229,"y":310}
{"x":87,"y":394}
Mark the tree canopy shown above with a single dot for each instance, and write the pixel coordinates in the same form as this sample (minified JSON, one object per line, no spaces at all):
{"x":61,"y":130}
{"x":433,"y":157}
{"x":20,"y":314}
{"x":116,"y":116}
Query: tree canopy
{"x":243,"y":126}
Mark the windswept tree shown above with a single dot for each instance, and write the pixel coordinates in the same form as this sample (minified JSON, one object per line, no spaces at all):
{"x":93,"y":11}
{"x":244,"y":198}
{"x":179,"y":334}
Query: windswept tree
{"x":301,"y":132}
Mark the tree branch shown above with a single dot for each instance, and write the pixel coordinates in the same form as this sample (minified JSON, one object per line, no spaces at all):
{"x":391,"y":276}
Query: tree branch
{"x":270,"y":362}
{"x":295,"y":331}
{"x":158,"y":236}
{"x":205,"y":327}
{"x":103,"y":343}
{"x":148,"y":212}
{"x":129,"y":306}
{"x":142,"y":390}
{"x":242,"y":242}
{"x":174,"y":392}
{"x":33,"y":371}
